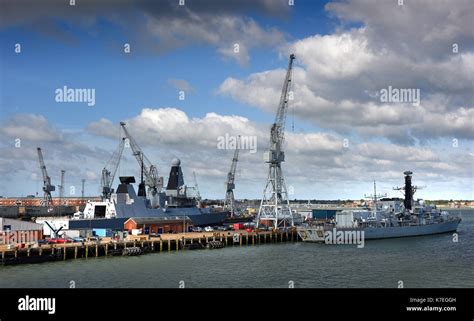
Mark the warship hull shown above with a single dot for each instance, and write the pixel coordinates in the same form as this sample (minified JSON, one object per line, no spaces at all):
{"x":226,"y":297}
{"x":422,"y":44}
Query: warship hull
{"x":317,"y":234}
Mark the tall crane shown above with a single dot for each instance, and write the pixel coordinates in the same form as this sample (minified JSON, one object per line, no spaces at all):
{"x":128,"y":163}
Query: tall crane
{"x":275,"y":205}
{"x":110,"y":169}
{"x":196,"y":187}
{"x":61,"y":187}
{"x":147,"y":169}
{"x":229,"y":202}
{"x":47,"y":187}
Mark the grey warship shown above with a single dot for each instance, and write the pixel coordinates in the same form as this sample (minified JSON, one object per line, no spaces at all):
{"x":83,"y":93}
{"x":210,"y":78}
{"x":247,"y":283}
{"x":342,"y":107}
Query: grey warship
{"x":390,"y":218}
{"x":175,"y":201}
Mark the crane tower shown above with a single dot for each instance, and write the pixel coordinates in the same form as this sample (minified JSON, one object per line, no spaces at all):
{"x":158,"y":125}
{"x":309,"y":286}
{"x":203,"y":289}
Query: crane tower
{"x":275,"y":206}
{"x":110,"y":169}
{"x":148,"y":170}
{"x":47,"y":187}
{"x":229,"y":202}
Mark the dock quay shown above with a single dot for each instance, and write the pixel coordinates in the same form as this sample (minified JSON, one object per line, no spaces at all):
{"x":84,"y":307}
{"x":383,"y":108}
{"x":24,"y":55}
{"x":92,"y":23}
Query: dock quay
{"x":142,"y":244}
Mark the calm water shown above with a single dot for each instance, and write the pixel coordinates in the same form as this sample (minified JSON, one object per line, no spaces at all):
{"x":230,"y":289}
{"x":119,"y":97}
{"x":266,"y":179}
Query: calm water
{"x":430,"y":261}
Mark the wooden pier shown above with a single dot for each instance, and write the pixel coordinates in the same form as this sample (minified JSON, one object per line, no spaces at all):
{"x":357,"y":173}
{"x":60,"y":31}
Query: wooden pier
{"x":143,"y":244}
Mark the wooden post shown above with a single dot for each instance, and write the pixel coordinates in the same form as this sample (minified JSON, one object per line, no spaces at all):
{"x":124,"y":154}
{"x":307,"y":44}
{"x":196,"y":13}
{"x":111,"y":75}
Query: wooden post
{"x":265,"y":238}
{"x":96,"y":250}
{"x":253,"y":239}
{"x":75,"y":252}
{"x":177,"y":244}
{"x":64,"y":254}
{"x":28,"y":252}
{"x":271,"y":237}
{"x":153,"y":246}
{"x":240,"y":239}
{"x":40,"y":252}
{"x":16,"y":253}
{"x":106,"y":249}
{"x":3,"y":255}
{"x":161,"y":245}
{"x":226,"y":240}
{"x":87,"y":251}
{"x":52,"y":249}
{"x":142,"y":244}
{"x":247,"y":239}
{"x":169,"y":245}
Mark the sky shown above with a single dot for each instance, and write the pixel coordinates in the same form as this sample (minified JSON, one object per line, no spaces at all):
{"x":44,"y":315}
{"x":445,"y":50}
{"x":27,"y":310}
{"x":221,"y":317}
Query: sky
{"x":341,"y":135}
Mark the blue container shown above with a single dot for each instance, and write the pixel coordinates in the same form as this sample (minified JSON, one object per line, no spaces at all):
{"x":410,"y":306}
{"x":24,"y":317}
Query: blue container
{"x":320,"y":214}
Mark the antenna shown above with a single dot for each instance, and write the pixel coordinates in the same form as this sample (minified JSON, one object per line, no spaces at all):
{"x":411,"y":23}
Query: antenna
{"x":374,"y":197}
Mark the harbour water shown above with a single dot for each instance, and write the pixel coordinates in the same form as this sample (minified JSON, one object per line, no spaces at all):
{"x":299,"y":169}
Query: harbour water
{"x":428,"y":261}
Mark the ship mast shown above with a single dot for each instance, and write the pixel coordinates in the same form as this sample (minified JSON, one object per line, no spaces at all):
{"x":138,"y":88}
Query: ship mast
{"x":408,"y":190}
{"x":375,"y":196}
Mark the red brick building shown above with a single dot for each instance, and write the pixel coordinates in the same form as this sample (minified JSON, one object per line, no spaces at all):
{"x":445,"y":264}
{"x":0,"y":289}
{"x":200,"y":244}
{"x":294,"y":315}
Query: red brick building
{"x":158,"y":225}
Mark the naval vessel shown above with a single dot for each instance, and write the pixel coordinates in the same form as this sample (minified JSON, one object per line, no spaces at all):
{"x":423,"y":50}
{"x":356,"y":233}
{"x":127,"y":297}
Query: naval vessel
{"x":389,"y":219}
{"x":176,"y":201}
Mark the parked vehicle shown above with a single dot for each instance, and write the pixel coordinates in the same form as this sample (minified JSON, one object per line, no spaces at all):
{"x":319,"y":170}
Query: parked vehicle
{"x":59,"y":240}
{"x":197,"y":229}
{"x":208,"y":229}
{"x":78,"y":239}
{"x":44,"y":241}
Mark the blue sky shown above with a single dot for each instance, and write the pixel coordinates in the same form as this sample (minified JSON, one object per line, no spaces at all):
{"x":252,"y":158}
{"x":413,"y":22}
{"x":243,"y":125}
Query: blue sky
{"x":125,"y":83}
{"x":82,"y":47}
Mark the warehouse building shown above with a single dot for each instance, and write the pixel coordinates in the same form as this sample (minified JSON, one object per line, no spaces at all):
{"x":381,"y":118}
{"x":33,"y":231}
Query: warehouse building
{"x":18,"y":231}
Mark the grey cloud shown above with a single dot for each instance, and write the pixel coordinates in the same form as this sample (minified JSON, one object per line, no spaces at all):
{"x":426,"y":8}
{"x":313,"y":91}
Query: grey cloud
{"x":155,"y":26}
{"x":416,"y":29}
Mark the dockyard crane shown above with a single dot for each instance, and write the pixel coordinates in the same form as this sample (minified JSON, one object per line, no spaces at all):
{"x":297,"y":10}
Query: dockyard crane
{"x":147,"y":168}
{"x":196,"y":187}
{"x":82,"y":190}
{"x":275,"y":205}
{"x":110,"y":169}
{"x":47,"y":187}
{"x":229,"y":203}
{"x":61,"y":187}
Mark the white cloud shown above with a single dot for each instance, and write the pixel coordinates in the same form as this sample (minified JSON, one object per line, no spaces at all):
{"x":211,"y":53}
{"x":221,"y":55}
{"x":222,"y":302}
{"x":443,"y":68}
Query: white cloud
{"x":313,"y":160}
{"x":339,"y":76}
